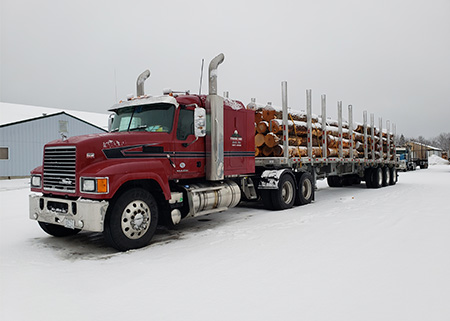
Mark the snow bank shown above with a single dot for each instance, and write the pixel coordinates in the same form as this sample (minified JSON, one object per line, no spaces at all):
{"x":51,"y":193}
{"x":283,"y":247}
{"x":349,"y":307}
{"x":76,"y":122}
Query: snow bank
{"x":436,"y":160}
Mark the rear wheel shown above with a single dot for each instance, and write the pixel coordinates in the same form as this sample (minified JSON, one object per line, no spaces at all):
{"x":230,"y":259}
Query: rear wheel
{"x":266,"y":197}
{"x":386,"y":176}
{"x":377,"y":177}
{"x":57,"y":230}
{"x":356,"y":180}
{"x":393,"y":176}
{"x":368,"y":177}
{"x":335,"y":181}
{"x":284,"y":196}
{"x":305,"y":192}
{"x":131,"y":221}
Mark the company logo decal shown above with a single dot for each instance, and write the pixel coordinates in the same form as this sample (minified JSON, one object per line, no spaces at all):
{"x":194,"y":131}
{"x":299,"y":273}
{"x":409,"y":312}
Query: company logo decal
{"x":236,"y":139}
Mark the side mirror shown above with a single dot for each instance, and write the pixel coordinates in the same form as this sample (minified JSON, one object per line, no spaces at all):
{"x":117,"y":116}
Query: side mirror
{"x":110,"y":121}
{"x":199,"y":122}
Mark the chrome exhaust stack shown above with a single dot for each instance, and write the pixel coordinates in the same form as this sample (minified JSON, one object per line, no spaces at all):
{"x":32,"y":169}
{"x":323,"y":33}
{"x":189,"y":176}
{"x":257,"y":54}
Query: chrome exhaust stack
{"x":214,"y":167}
{"x":213,"y":65}
{"x":140,"y":83}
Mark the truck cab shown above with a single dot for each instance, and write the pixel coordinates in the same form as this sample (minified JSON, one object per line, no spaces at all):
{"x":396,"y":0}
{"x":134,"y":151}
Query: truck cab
{"x":165,"y":158}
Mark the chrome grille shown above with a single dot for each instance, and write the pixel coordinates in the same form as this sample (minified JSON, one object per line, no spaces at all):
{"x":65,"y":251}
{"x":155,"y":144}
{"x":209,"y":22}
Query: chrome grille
{"x":59,"y":169}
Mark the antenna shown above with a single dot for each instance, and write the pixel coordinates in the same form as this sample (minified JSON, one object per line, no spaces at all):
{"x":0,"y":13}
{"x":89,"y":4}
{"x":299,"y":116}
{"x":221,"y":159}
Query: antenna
{"x":201,"y":77}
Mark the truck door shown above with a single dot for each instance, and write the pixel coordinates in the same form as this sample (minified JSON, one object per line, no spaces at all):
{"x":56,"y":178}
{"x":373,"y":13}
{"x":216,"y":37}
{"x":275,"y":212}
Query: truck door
{"x":189,"y":152}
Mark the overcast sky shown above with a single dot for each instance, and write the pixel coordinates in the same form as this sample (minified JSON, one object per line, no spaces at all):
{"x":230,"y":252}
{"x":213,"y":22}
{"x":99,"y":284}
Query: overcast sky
{"x":391,"y":58}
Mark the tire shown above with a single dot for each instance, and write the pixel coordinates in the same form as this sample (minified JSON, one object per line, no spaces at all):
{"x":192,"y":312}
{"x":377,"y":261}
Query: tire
{"x":386,"y":176}
{"x":347,"y":180}
{"x":335,"y":181}
{"x":131,"y":220}
{"x":394,"y":177}
{"x":284,"y":196}
{"x":368,"y":177}
{"x":305,"y":191}
{"x":377,"y":177}
{"x":57,"y":230}
{"x":266,"y":197}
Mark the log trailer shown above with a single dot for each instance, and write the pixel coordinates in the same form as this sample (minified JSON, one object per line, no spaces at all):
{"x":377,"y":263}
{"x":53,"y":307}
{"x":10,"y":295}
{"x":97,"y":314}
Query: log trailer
{"x":177,"y":156}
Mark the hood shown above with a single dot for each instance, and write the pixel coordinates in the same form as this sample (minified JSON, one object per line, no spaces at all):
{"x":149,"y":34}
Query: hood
{"x":97,"y":147}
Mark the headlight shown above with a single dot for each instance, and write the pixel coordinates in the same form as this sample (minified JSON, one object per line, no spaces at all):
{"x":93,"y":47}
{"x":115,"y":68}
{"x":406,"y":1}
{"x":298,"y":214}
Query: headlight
{"x":36,"y":181}
{"x":88,"y":185}
{"x":95,"y":185}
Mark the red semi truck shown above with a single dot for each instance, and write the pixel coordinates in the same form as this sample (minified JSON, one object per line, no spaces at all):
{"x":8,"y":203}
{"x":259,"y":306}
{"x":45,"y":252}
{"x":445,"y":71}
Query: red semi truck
{"x":171,"y":157}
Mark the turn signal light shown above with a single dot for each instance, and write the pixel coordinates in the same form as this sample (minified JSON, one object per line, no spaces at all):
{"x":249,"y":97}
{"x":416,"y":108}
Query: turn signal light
{"x":102,"y":185}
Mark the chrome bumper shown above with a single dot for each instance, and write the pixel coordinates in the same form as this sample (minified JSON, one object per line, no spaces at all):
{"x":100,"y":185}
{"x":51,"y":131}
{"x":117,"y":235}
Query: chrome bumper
{"x":81,"y":214}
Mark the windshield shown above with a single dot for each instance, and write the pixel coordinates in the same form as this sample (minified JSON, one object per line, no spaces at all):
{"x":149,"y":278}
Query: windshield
{"x":150,"y":118}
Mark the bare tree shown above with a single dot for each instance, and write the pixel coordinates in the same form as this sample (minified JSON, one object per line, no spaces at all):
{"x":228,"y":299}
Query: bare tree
{"x":443,"y":141}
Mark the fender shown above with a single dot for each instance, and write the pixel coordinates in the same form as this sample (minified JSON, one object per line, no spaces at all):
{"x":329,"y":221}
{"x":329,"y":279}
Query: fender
{"x":270,"y":179}
{"x":119,"y":173}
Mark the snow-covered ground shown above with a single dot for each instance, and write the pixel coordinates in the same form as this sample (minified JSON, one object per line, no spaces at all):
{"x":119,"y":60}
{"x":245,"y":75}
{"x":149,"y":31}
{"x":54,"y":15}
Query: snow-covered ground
{"x":355,"y":254}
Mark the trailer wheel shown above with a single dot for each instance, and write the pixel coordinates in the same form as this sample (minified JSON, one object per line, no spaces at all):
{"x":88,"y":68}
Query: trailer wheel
{"x":335,"y":181}
{"x":393,"y":176}
{"x":305,"y":192}
{"x":284,"y":196}
{"x":377,"y":177}
{"x":57,"y":230}
{"x":368,"y":177}
{"x":131,"y":221}
{"x":356,"y":180}
{"x":386,"y":176}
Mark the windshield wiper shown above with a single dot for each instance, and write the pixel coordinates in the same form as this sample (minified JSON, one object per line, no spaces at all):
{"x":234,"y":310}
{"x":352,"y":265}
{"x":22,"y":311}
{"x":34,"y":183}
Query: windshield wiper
{"x":115,"y":130}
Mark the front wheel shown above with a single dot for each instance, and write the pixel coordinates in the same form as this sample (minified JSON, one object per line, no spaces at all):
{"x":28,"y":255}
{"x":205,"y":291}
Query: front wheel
{"x":131,"y":220}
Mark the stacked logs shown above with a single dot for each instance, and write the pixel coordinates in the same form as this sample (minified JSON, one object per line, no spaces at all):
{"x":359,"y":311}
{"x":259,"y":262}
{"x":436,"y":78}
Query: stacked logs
{"x":359,"y":138}
{"x":269,"y":135}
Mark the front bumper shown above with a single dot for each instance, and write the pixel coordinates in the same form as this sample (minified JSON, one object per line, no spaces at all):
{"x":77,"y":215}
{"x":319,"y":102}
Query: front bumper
{"x":83,"y":214}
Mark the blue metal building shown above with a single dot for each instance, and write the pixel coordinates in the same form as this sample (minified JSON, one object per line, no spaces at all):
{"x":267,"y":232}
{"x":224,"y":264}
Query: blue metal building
{"x":22,"y":142}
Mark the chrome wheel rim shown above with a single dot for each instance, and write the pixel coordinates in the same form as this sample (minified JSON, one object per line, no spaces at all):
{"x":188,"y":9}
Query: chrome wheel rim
{"x":287,"y":192}
{"x":135,"y":219}
{"x":380,"y":177}
{"x":306,"y":189}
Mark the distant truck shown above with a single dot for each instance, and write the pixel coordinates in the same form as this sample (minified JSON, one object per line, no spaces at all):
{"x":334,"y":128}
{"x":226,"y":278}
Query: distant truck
{"x":412,"y":155}
{"x":404,"y":159}
{"x":419,"y":154}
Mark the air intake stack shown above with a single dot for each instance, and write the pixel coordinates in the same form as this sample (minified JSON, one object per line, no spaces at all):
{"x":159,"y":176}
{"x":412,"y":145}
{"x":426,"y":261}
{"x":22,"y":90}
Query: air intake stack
{"x":214,"y":126}
{"x":140,"y":83}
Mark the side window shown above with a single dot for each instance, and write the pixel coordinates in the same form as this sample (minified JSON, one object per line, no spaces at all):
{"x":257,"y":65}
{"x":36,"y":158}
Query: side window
{"x":185,"y":124}
{"x":4,"y":153}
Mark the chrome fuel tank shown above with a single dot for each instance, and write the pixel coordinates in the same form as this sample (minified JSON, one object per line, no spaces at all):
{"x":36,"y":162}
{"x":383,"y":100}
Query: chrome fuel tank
{"x":211,"y":197}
